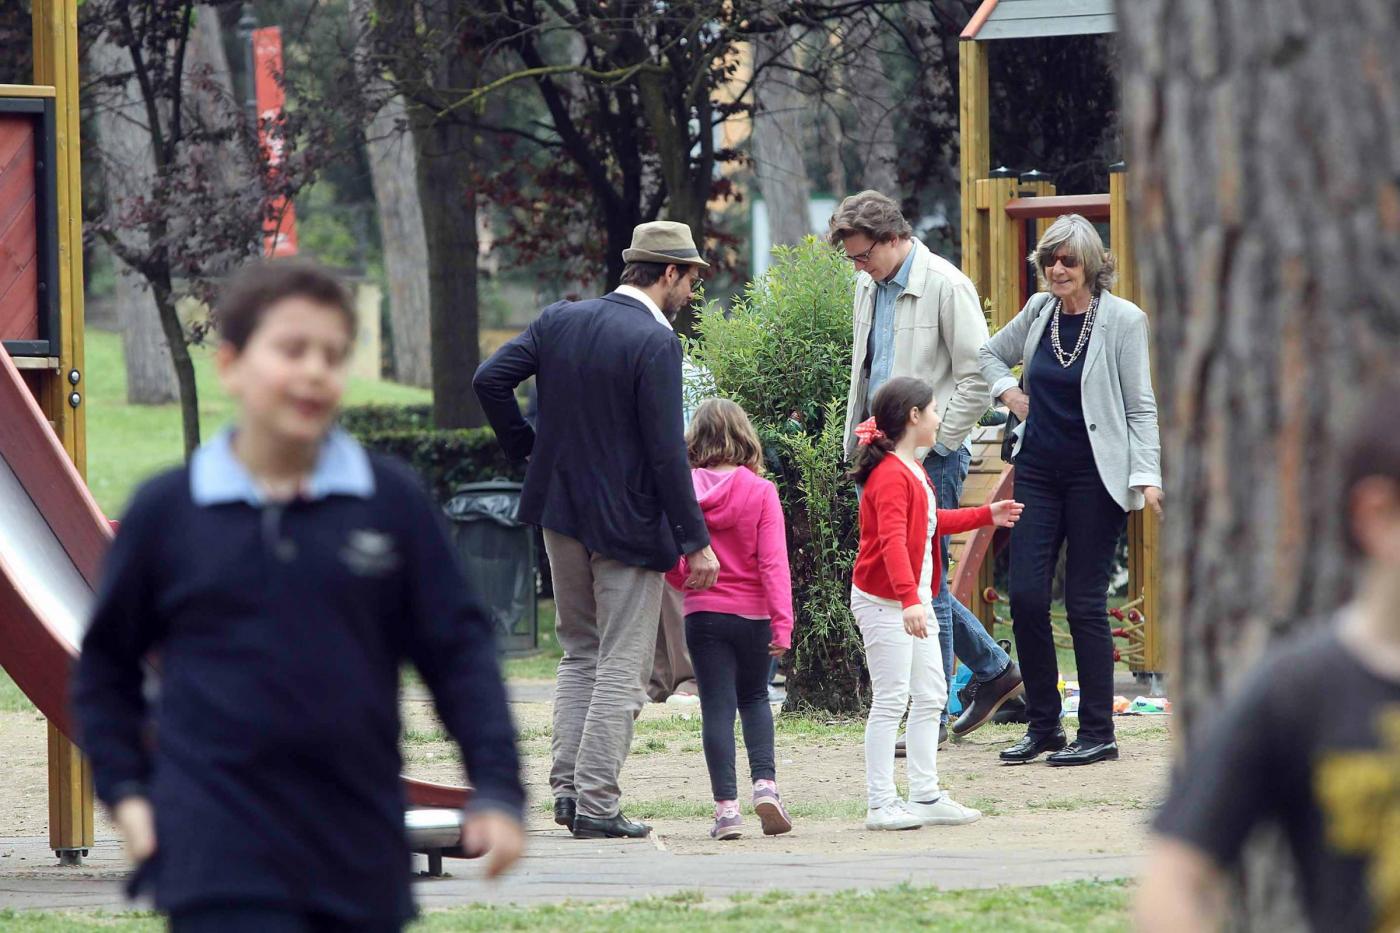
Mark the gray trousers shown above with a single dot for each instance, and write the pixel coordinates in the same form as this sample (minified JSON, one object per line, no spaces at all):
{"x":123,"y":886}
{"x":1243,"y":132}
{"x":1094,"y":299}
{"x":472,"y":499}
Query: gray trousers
{"x":605,"y":619}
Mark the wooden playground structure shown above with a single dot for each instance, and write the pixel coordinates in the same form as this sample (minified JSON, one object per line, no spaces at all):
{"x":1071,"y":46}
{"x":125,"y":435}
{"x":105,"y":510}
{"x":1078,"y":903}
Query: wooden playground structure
{"x":40,"y":176}
{"x":1004,"y":213}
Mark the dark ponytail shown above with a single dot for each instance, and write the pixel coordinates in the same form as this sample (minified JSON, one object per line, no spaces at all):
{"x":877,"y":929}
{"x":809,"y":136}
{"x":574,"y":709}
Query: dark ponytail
{"x":891,"y":411}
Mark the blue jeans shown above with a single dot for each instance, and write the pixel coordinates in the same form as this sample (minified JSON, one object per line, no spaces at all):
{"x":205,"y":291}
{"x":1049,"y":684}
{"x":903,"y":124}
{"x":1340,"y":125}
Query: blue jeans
{"x":959,"y":631}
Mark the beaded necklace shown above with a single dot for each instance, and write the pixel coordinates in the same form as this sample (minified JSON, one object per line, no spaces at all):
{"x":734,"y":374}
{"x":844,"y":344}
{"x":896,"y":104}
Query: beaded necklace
{"x":1083,"y":341}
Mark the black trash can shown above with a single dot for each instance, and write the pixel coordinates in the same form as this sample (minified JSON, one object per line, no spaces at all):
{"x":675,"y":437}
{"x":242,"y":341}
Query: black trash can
{"x":499,"y":558}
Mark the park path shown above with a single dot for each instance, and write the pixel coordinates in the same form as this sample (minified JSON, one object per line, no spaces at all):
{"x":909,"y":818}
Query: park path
{"x":559,"y":868}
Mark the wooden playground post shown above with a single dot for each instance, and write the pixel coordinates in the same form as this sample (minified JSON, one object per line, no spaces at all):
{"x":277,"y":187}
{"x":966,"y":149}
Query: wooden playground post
{"x":1144,"y":569}
{"x":62,"y":391}
{"x":974,"y":134}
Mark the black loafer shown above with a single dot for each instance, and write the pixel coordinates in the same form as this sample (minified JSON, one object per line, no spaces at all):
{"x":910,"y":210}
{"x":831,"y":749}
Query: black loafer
{"x":609,"y":827}
{"x":565,"y":809}
{"x":1081,"y":753}
{"x":1031,"y":747}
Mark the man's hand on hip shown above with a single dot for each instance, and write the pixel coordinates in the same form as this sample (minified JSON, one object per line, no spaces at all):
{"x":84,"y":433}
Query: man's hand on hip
{"x":704,"y":569}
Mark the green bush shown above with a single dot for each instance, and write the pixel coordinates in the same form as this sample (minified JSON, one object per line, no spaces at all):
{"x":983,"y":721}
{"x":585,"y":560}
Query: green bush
{"x":446,"y":460}
{"x":784,"y":348}
{"x":786,"y":345}
{"x":369,"y":419}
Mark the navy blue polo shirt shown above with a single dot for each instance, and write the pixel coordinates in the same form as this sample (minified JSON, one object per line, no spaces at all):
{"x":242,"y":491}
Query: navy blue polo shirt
{"x":270,"y":751}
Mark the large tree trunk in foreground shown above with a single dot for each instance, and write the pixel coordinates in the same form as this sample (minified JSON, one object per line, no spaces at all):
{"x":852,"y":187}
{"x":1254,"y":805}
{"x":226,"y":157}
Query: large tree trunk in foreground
{"x":394,"y":174}
{"x":1264,"y":144}
{"x":779,"y":150}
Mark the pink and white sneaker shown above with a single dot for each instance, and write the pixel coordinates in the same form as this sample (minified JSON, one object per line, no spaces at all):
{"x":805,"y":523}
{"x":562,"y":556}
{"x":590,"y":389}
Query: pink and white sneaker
{"x":769,"y":807}
{"x":728,"y":822}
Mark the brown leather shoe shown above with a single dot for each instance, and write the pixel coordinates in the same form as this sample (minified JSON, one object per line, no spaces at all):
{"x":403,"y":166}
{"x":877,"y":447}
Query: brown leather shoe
{"x":987,"y":698}
{"x":899,"y":748}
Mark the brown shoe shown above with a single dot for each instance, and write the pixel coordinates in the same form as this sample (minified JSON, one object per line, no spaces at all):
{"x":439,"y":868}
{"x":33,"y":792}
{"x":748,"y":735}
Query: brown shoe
{"x":986,"y":698}
{"x":899,"y":748}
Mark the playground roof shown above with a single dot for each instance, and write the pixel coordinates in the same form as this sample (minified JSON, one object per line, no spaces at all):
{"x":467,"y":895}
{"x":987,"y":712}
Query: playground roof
{"x":1034,"y":19}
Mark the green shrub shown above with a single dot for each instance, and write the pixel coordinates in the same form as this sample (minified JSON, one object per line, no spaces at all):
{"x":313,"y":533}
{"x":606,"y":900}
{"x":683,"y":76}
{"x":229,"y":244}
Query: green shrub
{"x":786,"y":345}
{"x":446,"y":460}
{"x":369,"y":419}
{"x":784,"y":348}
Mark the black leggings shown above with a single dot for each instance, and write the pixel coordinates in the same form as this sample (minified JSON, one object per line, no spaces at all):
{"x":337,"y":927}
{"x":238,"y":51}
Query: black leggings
{"x":730,"y":657}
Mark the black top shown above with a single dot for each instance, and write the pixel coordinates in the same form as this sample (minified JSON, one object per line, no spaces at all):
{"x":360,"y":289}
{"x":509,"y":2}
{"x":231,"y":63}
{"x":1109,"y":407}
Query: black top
{"x":279,"y":634}
{"x":1310,"y":742}
{"x":1056,"y":436}
{"x":608,"y":463}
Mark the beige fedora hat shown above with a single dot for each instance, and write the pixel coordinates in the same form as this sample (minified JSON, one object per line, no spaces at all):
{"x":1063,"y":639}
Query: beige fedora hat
{"x":664,"y":241}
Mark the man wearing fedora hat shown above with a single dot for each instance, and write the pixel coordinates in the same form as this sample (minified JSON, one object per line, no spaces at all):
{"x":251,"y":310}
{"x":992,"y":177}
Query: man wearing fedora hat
{"x":609,"y":482}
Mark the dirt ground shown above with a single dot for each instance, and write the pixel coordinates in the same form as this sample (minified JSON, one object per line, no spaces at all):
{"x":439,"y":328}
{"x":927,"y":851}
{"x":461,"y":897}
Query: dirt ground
{"x":1103,"y":809}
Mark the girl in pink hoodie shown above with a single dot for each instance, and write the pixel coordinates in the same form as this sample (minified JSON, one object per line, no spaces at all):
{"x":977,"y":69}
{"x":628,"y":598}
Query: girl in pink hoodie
{"x":735,"y":627}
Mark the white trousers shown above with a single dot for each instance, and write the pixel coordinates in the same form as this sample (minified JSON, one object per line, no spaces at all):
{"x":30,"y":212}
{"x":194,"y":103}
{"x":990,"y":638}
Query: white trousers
{"x":905,"y":673}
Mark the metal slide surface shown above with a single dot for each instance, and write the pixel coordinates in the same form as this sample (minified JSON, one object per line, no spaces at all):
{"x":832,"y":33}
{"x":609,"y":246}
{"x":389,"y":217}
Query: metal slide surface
{"x":52,"y":537}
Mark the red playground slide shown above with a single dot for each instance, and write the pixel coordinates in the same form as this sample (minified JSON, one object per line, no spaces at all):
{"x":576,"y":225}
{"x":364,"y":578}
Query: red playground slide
{"x":52,"y":538}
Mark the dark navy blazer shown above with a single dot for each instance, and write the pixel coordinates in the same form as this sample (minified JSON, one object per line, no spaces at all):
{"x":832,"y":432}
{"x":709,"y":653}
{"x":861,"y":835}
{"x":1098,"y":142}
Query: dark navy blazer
{"x":607,"y":453}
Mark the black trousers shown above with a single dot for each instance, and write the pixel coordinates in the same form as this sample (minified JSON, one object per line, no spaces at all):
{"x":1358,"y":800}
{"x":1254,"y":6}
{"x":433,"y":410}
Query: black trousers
{"x":262,"y":918}
{"x":1070,"y":508}
{"x":730,"y":657}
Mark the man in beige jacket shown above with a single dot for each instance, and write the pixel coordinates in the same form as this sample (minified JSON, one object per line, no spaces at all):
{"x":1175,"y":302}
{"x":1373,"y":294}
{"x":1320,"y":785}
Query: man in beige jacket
{"x":917,"y":315}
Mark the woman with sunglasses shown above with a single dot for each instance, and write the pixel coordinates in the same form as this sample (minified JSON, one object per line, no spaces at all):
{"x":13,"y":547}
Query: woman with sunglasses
{"x":1087,"y":456}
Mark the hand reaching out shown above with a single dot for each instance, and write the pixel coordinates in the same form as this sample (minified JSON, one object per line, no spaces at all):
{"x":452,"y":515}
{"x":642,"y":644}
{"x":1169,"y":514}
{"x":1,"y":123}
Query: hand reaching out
{"x":497,"y":836}
{"x":1006,"y":512}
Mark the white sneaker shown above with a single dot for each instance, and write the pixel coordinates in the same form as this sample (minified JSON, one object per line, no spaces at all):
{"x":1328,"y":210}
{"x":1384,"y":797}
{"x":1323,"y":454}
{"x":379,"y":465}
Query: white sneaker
{"x":682,"y":699}
{"x":945,"y":811}
{"x":892,"y":816}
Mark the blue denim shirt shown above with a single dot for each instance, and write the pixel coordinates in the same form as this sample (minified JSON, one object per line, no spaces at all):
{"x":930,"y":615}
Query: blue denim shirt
{"x":882,"y":326}
{"x":217,"y":476}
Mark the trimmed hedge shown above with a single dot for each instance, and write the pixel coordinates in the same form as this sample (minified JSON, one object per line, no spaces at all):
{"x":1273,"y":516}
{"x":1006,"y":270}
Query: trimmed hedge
{"x":360,"y":420}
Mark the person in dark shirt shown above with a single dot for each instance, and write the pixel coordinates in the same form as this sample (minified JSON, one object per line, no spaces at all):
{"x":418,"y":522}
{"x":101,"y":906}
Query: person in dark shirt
{"x":277,"y":583}
{"x":1310,"y":743}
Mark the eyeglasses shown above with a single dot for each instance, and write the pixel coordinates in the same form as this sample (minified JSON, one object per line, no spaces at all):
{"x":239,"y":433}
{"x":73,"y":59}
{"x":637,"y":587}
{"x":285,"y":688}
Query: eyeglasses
{"x":1068,"y":260}
{"x":862,"y":257}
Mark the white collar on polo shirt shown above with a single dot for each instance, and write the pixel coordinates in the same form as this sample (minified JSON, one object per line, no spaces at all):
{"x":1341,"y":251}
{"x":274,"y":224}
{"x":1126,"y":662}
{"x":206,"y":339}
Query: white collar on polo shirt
{"x":632,"y":291}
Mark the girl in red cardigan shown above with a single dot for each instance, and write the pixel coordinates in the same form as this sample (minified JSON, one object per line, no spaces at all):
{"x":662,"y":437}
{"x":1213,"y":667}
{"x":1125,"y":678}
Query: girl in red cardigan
{"x":892,"y":600}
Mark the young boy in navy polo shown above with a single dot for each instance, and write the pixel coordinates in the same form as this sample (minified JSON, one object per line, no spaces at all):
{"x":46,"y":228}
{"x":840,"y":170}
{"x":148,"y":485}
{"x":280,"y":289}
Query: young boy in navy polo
{"x":278,"y":582}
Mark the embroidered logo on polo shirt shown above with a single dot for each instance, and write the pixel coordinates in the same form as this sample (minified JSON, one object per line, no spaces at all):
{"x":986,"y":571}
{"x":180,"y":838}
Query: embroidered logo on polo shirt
{"x":370,"y":553}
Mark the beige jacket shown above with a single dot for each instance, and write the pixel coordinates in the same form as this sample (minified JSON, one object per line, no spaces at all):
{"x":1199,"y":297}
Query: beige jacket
{"x":938,"y":329}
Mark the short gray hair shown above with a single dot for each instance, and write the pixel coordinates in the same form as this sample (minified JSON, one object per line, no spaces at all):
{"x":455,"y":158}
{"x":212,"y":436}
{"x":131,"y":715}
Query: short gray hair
{"x":874,"y":214}
{"x":1080,"y":239}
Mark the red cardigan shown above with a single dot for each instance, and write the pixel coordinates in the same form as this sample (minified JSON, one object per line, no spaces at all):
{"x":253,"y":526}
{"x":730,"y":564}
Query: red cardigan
{"x":894,"y":531}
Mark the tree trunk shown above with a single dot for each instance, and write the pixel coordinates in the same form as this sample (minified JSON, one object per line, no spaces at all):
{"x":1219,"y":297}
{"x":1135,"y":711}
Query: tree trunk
{"x":869,"y":90}
{"x":179,"y":356}
{"x":150,"y":374}
{"x":446,"y":161}
{"x":1263,"y":146}
{"x":127,"y":164}
{"x":394,"y":174}
{"x":779,"y":145}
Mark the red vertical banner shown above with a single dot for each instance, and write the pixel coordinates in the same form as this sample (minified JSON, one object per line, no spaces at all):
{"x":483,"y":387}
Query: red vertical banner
{"x":280,"y":224}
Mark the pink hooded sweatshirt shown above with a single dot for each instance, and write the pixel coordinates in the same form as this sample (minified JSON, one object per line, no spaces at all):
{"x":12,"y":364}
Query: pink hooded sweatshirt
{"x":747,"y":533}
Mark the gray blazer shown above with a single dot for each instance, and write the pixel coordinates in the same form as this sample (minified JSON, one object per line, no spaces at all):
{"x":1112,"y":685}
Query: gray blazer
{"x":1116,"y":387}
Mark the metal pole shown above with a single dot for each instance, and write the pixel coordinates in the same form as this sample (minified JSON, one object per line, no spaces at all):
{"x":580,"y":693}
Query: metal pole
{"x":248,"y":22}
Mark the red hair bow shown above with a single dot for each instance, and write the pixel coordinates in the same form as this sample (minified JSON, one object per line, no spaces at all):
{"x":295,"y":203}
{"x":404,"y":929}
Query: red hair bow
{"x":866,"y":432}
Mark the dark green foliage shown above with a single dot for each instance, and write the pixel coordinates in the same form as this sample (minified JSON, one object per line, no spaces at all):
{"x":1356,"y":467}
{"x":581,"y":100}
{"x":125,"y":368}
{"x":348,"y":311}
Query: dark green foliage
{"x":446,"y":460}
{"x":368,"y":419}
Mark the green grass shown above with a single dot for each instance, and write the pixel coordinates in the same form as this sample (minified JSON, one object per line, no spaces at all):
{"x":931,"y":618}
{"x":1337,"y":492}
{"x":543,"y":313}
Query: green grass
{"x":11,"y":699}
{"x":127,"y":443}
{"x":542,"y":664}
{"x":1083,"y":905}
